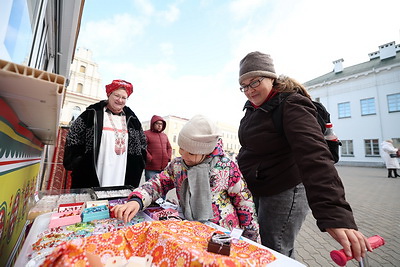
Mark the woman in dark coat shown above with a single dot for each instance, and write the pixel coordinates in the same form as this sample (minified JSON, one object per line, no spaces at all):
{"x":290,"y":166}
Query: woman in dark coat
{"x":106,"y":145}
{"x":287,"y":172}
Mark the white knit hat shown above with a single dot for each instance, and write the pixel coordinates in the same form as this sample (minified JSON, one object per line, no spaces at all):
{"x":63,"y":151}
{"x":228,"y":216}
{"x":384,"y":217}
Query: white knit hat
{"x":199,"y":136}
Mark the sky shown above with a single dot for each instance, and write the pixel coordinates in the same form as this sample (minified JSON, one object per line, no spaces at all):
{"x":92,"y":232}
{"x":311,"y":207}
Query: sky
{"x":182,"y":56}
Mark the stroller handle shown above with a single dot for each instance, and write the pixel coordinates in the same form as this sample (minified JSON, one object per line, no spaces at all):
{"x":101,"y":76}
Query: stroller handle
{"x":340,"y":258}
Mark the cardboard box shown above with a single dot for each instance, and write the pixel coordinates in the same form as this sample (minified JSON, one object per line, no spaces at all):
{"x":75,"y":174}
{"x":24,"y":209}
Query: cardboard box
{"x":220,"y":243}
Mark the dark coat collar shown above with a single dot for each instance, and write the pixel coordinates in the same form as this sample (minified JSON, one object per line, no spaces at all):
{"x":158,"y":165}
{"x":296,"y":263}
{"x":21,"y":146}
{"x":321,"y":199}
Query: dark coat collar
{"x":269,"y":105}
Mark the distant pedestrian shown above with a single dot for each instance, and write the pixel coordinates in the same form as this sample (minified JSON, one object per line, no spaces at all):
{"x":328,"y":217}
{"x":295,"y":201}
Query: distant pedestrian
{"x":389,"y":155}
{"x":158,"y":147}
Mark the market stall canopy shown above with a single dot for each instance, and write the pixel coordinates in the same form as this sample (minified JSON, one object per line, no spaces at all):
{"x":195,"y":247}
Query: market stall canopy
{"x":36,"y":96}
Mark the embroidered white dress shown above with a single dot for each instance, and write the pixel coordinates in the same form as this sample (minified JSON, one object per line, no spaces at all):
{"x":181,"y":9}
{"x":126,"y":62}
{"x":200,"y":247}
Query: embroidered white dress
{"x":111,"y":164}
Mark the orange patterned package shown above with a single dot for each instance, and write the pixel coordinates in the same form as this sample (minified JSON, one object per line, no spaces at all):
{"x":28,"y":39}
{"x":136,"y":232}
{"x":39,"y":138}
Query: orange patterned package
{"x":169,"y":243}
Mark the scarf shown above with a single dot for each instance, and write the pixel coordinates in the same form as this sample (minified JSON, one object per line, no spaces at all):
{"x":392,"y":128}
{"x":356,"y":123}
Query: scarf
{"x":195,"y":192}
{"x":271,"y":94}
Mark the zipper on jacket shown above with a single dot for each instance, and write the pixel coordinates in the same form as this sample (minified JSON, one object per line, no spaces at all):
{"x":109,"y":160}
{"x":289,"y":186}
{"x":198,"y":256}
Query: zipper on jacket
{"x":127,"y":128}
{"x":94,"y":141}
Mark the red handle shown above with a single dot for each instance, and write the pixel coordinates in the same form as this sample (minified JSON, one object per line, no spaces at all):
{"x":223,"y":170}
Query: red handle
{"x":340,"y":258}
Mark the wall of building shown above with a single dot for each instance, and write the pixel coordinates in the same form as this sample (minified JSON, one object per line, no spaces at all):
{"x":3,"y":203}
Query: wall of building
{"x":379,"y":79}
{"x":85,"y":86}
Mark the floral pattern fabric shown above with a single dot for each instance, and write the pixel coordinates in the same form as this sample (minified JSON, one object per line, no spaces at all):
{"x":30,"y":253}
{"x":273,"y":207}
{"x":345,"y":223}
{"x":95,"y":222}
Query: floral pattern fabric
{"x":170,"y":243}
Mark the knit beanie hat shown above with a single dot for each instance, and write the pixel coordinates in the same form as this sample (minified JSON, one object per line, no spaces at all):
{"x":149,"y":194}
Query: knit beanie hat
{"x":256,"y":64}
{"x":198,"y":136}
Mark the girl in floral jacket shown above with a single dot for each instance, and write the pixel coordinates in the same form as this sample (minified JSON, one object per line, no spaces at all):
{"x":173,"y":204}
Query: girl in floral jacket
{"x":209,"y":185}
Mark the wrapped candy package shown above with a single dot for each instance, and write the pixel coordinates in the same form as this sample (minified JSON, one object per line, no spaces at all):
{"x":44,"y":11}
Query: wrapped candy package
{"x":67,"y":214}
{"x":95,"y":213}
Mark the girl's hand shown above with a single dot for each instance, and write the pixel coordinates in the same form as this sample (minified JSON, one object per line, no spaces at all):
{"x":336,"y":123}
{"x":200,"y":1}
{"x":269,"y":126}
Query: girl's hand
{"x":127,"y":211}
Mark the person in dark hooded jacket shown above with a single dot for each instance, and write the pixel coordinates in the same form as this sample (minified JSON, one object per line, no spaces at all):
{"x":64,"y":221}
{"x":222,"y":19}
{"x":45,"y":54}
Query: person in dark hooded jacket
{"x":158,"y":147}
{"x":106,"y":145}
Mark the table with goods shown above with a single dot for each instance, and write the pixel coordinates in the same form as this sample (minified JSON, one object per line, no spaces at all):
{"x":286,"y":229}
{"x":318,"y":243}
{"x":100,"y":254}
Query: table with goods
{"x":76,"y":228}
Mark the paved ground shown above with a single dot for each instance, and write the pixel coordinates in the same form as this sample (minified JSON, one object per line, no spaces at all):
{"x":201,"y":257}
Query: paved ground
{"x":375,"y":201}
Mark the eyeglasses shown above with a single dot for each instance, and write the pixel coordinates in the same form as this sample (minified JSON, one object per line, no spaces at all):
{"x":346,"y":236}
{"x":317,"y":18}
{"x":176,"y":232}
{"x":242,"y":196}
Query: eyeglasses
{"x":253,"y":85}
{"x":123,"y":98}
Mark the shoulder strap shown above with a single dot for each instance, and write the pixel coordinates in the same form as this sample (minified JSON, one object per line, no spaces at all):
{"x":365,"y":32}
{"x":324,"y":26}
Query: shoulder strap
{"x":277,"y":113}
{"x":323,"y":115}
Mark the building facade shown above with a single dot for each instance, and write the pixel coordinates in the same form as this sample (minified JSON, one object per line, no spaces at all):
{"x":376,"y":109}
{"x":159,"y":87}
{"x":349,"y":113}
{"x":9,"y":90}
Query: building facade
{"x":174,"y":125}
{"x":85,"y":86}
{"x":364,"y":103}
{"x":37,"y":45}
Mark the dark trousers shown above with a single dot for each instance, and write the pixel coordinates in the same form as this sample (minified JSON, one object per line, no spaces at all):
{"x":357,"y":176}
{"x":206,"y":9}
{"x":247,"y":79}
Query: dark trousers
{"x":394,"y":172}
{"x":280,"y":218}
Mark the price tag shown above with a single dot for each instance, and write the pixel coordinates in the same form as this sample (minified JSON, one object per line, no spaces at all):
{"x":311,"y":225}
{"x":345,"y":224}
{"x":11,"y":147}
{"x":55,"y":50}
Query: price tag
{"x":236,"y":233}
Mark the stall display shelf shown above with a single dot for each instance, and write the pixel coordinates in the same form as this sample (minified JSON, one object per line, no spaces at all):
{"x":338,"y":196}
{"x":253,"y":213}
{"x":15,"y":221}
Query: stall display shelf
{"x":112,"y":192}
{"x":50,"y":200}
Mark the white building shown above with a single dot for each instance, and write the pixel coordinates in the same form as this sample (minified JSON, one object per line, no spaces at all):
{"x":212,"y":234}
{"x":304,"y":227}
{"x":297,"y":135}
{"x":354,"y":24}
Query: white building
{"x":364,"y":103}
{"x":85,"y":86}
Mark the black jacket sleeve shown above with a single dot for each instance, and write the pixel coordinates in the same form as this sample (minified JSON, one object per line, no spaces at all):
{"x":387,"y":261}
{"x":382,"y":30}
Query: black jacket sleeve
{"x":75,"y":144}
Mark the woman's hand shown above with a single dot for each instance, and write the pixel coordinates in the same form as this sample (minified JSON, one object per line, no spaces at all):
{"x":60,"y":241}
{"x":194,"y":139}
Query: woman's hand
{"x":354,"y":243}
{"x":127,"y":211}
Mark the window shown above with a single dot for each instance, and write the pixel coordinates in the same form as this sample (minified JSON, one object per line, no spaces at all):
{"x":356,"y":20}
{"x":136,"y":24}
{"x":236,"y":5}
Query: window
{"x":344,"y":110}
{"x":347,"y":148}
{"x":82,"y":69}
{"x":16,"y":30}
{"x":367,"y":106}
{"x":79,"y":88}
{"x":174,"y":139}
{"x":393,"y":103}
{"x":76,"y":111}
{"x":371,"y":147}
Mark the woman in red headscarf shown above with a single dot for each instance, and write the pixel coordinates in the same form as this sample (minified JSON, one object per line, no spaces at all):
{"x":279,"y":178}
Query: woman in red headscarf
{"x":106,"y":145}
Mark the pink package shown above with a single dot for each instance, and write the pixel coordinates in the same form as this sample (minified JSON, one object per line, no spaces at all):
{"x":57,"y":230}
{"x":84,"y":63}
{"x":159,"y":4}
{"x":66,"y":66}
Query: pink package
{"x":71,"y":207}
{"x":65,"y":218}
